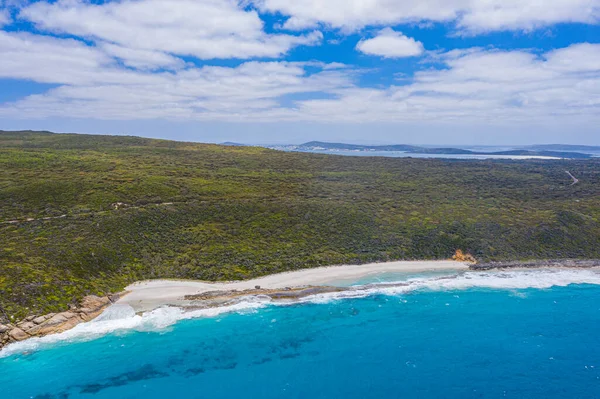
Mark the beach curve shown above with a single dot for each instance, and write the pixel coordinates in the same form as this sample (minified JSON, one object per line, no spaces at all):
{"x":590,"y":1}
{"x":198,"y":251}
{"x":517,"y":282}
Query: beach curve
{"x":148,"y":295}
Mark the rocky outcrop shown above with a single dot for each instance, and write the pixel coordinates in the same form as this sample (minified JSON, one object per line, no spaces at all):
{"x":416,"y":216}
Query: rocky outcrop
{"x":211,"y":299}
{"x":89,"y":308}
{"x":460,"y":256}
{"x":538,"y":264}
{"x":281,"y":294}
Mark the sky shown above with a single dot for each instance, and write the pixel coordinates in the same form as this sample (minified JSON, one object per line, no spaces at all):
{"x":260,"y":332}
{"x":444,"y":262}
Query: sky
{"x":462,"y":72}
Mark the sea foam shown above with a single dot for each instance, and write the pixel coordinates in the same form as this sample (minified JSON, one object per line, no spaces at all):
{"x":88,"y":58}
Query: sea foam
{"x":122,"y":318}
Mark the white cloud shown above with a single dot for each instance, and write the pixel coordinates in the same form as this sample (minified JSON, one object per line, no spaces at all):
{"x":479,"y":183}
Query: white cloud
{"x":471,"y":16}
{"x":354,"y":14}
{"x":481,"y":86}
{"x":583,"y":57}
{"x":527,"y":15}
{"x":204,"y":29}
{"x":391,"y":44}
{"x":49,"y":60}
{"x":143,"y":59}
{"x":5,"y":18}
{"x":94,"y":85}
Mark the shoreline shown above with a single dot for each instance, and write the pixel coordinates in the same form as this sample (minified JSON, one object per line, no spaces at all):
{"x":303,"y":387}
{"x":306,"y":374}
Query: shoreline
{"x":190,"y":295}
{"x":538,"y":264}
{"x":148,"y":295}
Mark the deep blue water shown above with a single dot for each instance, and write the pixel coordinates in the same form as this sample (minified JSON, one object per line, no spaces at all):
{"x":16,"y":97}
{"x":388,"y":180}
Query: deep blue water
{"x":474,"y":343}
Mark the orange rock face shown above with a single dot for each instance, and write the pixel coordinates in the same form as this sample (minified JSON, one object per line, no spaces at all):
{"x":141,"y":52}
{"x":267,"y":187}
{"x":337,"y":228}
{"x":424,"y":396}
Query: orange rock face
{"x":460,"y":256}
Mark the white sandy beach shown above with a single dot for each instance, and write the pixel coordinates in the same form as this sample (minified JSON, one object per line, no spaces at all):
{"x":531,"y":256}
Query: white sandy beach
{"x":149,"y":295}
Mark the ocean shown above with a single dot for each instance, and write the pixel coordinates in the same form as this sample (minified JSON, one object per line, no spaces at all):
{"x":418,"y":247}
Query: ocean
{"x":517,"y":334}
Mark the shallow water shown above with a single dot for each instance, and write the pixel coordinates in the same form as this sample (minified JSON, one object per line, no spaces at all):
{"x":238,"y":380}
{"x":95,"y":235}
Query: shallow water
{"x":475,"y":335}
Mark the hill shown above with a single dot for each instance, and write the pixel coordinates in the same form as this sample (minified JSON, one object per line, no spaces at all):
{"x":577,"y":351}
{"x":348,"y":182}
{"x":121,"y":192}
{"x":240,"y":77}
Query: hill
{"x":358,"y":147}
{"x":538,"y":151}
{"x":84,"y":214}
{"x":565,"y":147}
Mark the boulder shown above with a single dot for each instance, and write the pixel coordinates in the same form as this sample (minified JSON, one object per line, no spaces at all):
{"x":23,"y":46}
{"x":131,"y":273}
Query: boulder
{"x":53,"y":323}
{"x":41,"y":319}
{"x":92,"y":304}
{"x":46,"y":329}
{"x":60,"y":318}
{"x":28,"y":325}
{"x":17,"y":334}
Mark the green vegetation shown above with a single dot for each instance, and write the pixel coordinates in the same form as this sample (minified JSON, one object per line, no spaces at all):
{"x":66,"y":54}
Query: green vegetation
{"x":239,"y":212}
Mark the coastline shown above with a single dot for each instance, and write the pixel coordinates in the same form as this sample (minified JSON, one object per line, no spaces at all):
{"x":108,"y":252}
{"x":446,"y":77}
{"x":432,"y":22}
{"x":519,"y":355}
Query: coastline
{"x":144,"y":297}
{"x":538,"y":264}
{"x":148,"y":295}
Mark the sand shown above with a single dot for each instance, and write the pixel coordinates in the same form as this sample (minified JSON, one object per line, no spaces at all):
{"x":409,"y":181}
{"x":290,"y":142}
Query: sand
{"x":148,"y":295}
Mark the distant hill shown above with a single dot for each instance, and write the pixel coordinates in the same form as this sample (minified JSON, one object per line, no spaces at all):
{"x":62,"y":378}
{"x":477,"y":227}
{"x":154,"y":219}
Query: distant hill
{"x":316,"y":145}
{"x":357,"y":147}
{"x":564,"y":147}
{"x":232,"y":144}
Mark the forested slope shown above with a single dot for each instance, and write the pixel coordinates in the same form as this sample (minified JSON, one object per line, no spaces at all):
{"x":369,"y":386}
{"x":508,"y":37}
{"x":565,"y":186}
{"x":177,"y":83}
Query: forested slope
{"x":121,"y":209}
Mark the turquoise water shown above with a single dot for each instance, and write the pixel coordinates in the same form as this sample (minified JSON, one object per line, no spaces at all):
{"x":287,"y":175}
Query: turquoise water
{"x":484,"y":339}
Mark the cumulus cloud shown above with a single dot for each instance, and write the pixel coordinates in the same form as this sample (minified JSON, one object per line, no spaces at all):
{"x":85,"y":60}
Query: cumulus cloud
{"x":49,"y":60}
{"x":527,"y":15}
{"x":486,"y":86}
{"x":125,"y":60}
{"x":470,"y":16}
{"x":391,"y":44}
{"x":475,"y":85}
{"x":204,"y":29}
{"x":93,"y":85}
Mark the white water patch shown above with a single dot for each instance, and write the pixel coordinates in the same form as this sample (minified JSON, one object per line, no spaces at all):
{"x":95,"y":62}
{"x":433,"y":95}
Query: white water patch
{"x":516,"y":279}
{"x":120,"y":318}
{"x":501,"y":280}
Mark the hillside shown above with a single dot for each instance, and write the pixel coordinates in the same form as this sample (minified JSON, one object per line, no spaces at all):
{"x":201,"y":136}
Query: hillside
{"x":121,"y":209}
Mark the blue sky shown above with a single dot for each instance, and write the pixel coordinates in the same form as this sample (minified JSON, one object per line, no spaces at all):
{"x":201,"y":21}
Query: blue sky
{"x":288,"y":71}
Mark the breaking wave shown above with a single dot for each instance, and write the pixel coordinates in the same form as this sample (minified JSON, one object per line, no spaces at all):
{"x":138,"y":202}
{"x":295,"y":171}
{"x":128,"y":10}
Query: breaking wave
{"x":121,"y":318}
